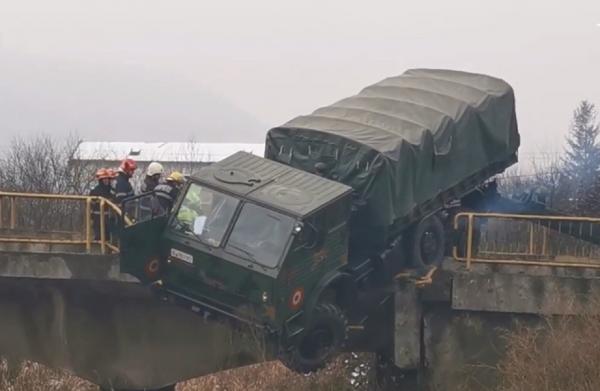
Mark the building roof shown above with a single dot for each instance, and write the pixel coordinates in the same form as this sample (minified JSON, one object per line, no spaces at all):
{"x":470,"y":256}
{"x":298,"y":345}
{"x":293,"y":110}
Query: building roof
{"x":266,"y":181}
{"x":164,"y":152}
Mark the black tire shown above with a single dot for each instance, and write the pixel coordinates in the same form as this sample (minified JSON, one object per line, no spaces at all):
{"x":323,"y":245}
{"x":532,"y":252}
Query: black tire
{"x":322,"y":340}
{"x":426,"y":243}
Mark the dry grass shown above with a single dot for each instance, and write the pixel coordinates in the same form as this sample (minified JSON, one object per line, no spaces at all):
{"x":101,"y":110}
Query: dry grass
{"x":274,"y":376}
{"x":35,"y":377}
{"x":563,"y":355}
{"x":271,"y":376}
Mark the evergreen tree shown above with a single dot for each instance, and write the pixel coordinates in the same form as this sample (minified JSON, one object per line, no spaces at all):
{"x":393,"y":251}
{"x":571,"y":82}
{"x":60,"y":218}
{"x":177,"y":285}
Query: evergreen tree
{"x":581,"y":164}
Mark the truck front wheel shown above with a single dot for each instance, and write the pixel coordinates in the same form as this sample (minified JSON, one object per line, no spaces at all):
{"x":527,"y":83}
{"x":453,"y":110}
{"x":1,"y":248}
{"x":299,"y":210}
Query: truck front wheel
{"x":322,"y":340}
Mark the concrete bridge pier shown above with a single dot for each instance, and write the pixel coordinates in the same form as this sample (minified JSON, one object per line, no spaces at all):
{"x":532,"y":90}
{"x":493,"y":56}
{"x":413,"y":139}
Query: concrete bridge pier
{"x":77,"y":312}
{"x":451,"y":335}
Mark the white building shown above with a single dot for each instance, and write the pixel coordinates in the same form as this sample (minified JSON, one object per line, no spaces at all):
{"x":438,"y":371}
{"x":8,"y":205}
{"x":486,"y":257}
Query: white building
{"x":168,"y":153}
{"x":181,"y":156}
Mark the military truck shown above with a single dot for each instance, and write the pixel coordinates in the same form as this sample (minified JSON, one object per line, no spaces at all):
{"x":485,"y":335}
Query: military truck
{"x":303,"y":244}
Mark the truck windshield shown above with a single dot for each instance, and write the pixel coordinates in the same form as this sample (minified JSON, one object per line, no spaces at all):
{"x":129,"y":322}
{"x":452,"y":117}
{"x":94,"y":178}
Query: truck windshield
{"x":260,"y":234}
{"x":205,"y":213}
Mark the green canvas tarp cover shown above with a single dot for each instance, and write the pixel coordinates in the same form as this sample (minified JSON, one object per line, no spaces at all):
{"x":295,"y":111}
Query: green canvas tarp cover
{"x":406,"y":140}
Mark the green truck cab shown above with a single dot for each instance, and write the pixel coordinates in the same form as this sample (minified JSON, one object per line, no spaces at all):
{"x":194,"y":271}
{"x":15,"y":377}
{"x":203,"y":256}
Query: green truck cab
{"x":256,"y":241}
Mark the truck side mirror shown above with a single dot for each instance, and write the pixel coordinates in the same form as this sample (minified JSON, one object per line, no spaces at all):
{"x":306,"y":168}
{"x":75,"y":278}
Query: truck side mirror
{"x":298,"y":228}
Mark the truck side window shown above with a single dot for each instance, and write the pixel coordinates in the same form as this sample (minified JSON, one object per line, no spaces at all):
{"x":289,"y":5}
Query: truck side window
{"x":260,"y":235}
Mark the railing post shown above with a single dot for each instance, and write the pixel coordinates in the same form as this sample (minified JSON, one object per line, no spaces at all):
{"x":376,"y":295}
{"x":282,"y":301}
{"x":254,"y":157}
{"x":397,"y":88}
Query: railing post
{"x":88,"y":236}
{"x":1,"y":214}
{"x":102,"y":225}
{"x":545,"y":240}
{"x":13,"y":213}
{"x":454,"y":247}
{"x":530,"y":238}
{"x":469,"y":240}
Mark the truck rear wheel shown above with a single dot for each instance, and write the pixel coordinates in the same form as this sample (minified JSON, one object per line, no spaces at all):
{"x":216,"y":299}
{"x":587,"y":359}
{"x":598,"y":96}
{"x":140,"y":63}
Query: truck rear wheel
{"x":426,"y":243}
{"x":324,"y":338}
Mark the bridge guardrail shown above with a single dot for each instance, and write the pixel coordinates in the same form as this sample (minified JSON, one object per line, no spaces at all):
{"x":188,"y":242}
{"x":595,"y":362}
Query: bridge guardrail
{"x":536,"y":240}
{"x":57,"y":219}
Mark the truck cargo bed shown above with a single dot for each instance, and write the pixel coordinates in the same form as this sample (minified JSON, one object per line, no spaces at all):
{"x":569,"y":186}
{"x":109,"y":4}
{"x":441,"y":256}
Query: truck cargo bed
{"x":407,"y":143}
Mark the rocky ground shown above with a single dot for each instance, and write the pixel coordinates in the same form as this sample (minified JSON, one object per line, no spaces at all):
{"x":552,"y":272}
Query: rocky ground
{"x":349,"y":372}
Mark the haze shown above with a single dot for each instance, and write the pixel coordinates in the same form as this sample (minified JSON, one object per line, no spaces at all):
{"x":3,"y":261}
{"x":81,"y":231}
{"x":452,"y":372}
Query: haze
{"x":227,"y":71}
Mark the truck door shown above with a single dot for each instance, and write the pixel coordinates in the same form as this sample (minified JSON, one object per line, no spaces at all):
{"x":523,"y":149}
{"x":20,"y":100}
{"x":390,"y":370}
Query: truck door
{"x":142,"y":224}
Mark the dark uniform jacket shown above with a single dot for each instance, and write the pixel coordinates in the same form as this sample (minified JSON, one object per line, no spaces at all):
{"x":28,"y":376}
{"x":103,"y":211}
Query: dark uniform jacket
{"x":123,"y":188}
{"x":166,"y":195}
{"x":101,"y":190}
{"x":149,"y":184}
{"x":105,"y":191}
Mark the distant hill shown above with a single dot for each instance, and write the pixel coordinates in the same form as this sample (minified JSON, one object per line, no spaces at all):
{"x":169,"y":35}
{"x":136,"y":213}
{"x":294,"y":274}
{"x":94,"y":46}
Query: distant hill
{"x":115,"y":103}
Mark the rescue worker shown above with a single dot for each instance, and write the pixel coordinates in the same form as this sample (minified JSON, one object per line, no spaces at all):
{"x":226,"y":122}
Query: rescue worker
{"x":149,"y":205}
{"x":167,"y":192}
{"x":113,"y":217}
{"x":113,"y":175}
{"x":190,"y":207}
{"x":123,"y":188}
{"x":102,"y":189}
{"x":153,"y":175}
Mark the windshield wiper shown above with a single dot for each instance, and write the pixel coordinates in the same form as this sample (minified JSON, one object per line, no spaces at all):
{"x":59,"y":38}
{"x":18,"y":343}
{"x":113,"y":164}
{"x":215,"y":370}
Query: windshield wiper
{"x":243,"y":250}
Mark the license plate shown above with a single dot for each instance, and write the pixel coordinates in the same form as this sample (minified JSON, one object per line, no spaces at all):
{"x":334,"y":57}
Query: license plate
{"x":181,"y":256}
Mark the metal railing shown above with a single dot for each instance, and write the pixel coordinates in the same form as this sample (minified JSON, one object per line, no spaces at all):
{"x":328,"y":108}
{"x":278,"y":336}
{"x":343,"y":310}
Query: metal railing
{"x":535,"y":240}
{"x":57,"y":219}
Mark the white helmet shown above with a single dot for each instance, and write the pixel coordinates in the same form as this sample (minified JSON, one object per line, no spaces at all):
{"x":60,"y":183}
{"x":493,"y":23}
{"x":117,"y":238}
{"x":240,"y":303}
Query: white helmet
{"x":155,"y":168}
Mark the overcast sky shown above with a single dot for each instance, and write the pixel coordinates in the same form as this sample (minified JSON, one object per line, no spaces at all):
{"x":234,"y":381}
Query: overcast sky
{"x":275,"y":59}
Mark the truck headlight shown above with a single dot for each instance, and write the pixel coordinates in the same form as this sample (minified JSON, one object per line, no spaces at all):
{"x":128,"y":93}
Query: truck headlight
{"x":265,"y":297}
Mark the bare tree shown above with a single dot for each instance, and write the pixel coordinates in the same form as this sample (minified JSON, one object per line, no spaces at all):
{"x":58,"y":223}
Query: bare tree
{"x":513,"y":183}
{"x":44,"y":165}
{"x":546,"y":180}
{"x":581,"y":163}
{"x":550,"y":180}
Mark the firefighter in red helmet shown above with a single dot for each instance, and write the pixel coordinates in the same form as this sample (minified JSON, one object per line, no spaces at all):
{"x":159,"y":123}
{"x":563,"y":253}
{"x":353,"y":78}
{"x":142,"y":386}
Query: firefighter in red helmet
{"x":123,"y":188}
{"x":102,"y":189}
